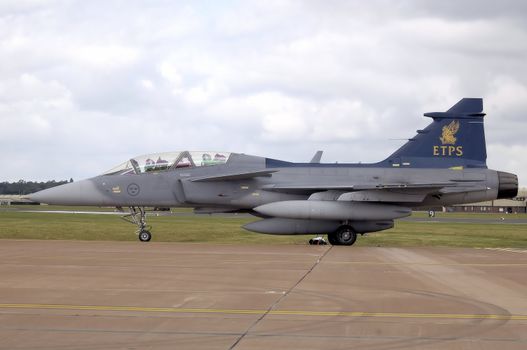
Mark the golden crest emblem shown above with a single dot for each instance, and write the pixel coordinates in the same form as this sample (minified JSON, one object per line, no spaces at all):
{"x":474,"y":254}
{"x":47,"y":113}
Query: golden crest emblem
{"x":449,"y":131}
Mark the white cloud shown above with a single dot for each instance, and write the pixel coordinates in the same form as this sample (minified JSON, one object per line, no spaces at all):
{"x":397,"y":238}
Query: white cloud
{"x":103,"y":56}
{"x":203,"y":93}
{"x":147,"y":84}
{"x":507,"y":96}
{"x":86,"y":80}
{"x":508,"y":158}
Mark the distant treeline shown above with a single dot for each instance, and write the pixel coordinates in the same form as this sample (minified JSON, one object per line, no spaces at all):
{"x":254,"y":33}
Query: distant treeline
{"x":26,"y":187}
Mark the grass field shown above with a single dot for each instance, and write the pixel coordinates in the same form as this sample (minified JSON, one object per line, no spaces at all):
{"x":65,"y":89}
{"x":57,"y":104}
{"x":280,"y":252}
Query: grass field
{"x":15,"y":224}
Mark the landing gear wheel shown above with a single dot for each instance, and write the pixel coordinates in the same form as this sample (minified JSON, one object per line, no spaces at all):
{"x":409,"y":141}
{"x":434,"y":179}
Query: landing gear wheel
{"x":145,"y":236}
{"x":137,"y":217}
{"x":343,"y":236}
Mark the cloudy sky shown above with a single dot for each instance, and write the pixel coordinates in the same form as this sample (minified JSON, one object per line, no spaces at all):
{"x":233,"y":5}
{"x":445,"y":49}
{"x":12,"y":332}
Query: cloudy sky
{"x":85,"y":85}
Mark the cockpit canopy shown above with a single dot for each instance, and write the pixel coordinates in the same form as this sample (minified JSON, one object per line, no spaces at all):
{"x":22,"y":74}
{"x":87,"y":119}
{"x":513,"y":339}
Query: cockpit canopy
{"x":169,"y":160}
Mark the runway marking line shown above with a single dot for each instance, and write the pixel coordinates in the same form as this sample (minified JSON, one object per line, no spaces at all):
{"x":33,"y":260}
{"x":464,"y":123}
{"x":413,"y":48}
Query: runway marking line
{"x":272,"y":312}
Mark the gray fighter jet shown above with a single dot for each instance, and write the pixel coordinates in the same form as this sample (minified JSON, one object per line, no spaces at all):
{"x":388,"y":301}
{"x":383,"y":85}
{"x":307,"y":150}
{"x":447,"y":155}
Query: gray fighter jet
{"x":443,"y":164}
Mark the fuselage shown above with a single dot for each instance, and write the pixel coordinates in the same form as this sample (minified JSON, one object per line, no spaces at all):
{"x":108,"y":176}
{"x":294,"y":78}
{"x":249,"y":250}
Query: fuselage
{"x":178,"y":188}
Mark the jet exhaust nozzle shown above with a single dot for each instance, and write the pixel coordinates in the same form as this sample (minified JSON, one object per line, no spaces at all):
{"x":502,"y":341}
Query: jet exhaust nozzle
{"x":508,"y":185}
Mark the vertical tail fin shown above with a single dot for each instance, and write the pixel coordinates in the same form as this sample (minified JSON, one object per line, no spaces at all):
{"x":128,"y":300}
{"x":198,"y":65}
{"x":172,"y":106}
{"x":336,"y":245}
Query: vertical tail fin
{"x":455,"y":139}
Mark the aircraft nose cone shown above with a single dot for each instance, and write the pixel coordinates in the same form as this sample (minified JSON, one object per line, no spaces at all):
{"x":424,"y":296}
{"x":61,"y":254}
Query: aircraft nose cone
{"x":76,"y":193}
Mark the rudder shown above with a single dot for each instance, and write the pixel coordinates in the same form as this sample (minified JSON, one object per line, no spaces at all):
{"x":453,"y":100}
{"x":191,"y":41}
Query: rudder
{"x":455,"y":139}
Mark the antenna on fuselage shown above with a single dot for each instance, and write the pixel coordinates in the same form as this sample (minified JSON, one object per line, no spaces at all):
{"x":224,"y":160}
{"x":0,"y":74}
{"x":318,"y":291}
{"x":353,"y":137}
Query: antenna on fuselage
{"x":317,"y":157}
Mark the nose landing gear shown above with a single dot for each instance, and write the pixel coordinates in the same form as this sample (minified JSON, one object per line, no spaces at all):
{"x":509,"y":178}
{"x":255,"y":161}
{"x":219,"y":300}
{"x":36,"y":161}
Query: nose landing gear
{"x":137,"y":217}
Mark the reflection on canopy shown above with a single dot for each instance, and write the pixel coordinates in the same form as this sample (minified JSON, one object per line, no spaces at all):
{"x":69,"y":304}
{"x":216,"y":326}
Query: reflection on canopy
{"x":169,"y":160}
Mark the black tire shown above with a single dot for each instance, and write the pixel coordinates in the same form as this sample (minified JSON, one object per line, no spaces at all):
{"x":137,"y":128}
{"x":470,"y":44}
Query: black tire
{"x":331,"y":238}
{"x":311,"y":241}
{"x":345,"y":235}
{"x":145,"y":236}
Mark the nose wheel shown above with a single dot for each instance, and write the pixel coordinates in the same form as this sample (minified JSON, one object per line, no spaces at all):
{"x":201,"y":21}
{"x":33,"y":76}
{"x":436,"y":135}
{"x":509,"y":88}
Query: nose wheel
{"x":137,"y":217}
{"x":145,"y":236}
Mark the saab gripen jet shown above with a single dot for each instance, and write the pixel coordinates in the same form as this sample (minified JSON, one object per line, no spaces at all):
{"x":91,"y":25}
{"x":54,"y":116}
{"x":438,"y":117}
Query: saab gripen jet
{"x":443,"y":164}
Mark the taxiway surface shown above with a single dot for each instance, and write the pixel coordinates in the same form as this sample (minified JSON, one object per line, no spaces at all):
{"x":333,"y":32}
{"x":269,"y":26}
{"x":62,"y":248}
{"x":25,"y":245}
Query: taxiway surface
{"x":128,"y":295}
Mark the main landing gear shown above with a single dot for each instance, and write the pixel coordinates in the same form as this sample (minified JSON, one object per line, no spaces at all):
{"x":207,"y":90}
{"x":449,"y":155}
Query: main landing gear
{"x":344,"y":235}
{"x":137,"y":217}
